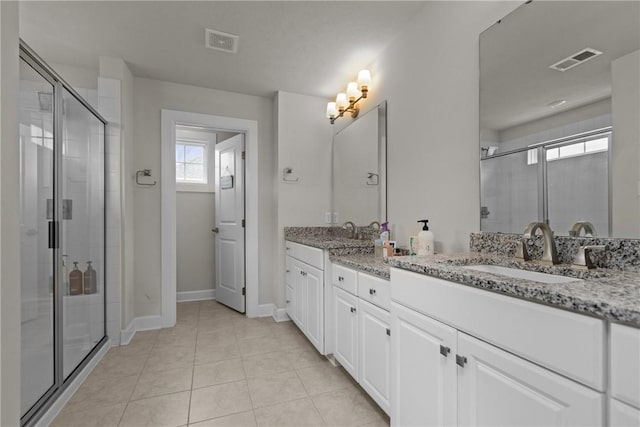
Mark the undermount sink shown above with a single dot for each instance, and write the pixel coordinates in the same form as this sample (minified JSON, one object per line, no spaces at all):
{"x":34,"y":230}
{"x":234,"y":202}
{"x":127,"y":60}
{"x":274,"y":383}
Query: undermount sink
{"x":522,"y":274}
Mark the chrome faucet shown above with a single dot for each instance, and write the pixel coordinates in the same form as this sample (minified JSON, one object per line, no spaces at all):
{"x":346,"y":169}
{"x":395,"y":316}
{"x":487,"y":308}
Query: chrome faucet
{"x":583,"y":257}
{"x":354,"y":230}
{"x":589,"y":229}
{"x":375,"y":225}
{"x":549,"y":254}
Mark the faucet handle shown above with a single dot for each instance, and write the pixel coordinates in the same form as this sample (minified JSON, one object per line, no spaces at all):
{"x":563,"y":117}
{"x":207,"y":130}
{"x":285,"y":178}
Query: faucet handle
{"x":583,"y":258}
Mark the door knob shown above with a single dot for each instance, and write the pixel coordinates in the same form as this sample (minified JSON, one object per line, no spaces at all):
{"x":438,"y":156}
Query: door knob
{"x":215,"y":230}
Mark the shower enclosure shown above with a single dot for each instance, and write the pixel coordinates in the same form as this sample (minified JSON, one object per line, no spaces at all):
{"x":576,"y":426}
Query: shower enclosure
{"x":62,"y":233}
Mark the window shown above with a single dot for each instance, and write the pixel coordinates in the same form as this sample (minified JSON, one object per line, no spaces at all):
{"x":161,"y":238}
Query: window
{"x":191,"y":165}
{"x":597,"y":145}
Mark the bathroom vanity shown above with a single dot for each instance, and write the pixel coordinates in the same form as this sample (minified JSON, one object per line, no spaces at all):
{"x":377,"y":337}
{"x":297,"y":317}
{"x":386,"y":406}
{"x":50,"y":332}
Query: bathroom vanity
{"x":456,"y":340}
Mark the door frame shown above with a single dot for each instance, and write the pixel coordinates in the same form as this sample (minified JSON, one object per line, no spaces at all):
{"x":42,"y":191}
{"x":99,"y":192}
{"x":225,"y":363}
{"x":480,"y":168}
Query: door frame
{"x":169,"y":120}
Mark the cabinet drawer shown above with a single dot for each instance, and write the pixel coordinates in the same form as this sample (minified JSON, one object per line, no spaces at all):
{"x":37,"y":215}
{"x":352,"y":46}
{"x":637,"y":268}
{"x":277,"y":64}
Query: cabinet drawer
{"x":344,"y":278}
{"x":568,"y":343}
{"x":375,"y":290}
{"x":625,"y":364}
{"x":307,"y":254}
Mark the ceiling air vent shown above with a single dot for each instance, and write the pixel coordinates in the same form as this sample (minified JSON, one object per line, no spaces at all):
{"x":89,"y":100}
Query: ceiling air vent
{"x":575,"y":59}
{"x":221,"y":41}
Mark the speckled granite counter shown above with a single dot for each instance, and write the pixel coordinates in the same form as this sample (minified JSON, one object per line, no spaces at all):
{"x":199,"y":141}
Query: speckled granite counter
{"x":609,"y":294}
{"x":366,"y":263}
{"x":322,"y":242}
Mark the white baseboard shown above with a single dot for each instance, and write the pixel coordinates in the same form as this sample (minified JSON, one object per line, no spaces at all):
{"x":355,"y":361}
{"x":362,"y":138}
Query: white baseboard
{"x":147,"y":323}
{"x":143,"y":323}
{"x":48,"y":417}
{"x":280,"y":314}
{"x":265,"y":310}
{"x":206,"y":294}
{"x":127,"y":334}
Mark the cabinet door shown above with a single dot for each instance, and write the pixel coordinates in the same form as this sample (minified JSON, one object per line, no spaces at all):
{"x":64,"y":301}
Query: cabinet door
{"x":314,"y":285}
{"x":623,"y":415}
{"x":625,"y":364}
{"x":375,"y":353}
{"x":290,"y":296}
{"x":423,"y":370}
{"x":496,"y":388}
{"x":300,"y":295}
{"x":345,"y":311}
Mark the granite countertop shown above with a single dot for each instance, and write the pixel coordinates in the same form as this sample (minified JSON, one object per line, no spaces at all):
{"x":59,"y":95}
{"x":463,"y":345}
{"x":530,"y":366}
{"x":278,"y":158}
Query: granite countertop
{"x":606,"y":293}
{"x":330,"y":242}
{"x":367,"y":263}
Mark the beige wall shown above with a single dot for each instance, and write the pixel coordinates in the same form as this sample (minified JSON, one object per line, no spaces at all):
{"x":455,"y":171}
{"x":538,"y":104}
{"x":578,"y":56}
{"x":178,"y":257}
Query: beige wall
{"x":625,"y":150}
{"x":194,"y":241}
{"x":9,"y":218}
{"x":150,"y":96}
{"x":304,"y":145}
{"x":429,"y":76}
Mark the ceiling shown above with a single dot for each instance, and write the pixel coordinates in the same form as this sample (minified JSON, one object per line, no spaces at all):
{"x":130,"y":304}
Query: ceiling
{"x":307,"y":47}
{"x":516,"y":83}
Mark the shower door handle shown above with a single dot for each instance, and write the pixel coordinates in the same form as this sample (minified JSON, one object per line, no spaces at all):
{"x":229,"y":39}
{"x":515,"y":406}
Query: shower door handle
{"x":53,"y":235}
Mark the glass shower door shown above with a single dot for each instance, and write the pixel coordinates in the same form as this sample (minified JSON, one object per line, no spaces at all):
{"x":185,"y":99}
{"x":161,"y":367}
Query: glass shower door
{"x":37,"y":269}
{"x":82,"y":232}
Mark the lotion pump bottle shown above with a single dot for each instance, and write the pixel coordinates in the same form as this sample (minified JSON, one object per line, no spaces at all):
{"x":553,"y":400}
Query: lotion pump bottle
{"x":425,"y":240}
{"x":384,"y":232}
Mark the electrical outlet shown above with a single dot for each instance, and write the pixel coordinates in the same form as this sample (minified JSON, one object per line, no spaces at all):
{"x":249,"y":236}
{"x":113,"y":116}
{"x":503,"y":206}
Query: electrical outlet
{"x":334,"y":217}
{"x":327,"y":217}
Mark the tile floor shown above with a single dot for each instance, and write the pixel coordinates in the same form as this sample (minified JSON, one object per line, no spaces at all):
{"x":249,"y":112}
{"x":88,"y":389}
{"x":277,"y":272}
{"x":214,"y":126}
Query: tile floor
{"x":218,"y":368}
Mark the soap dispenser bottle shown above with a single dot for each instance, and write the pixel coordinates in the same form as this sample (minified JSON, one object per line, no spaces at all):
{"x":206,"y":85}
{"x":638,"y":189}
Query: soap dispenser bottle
{"x":90,"y":280}
{"x":425,"y":240}
{"x":75,"y":280}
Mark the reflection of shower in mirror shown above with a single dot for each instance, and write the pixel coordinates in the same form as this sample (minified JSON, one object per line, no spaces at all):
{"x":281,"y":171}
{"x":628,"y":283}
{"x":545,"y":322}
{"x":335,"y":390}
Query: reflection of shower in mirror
{"x":488,"y":151}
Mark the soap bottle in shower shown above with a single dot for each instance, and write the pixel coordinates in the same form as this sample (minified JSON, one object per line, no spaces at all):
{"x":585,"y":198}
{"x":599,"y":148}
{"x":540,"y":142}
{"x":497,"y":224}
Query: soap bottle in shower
{"x":90,"y":280}
{"x":75,"y":280}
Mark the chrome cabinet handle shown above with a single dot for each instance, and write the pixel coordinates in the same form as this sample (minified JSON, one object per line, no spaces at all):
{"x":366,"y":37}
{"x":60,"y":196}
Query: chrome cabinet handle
{"x":461,"y":360}
{"x":444,"y":350}
{"x":215,"y":230}
{"x":372,"y":291}
{"x":353,"y":309}
{"x":340,"y":279}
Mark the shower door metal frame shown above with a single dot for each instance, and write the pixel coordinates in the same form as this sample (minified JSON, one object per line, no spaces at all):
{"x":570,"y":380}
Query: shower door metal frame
{"x":60,"y":383}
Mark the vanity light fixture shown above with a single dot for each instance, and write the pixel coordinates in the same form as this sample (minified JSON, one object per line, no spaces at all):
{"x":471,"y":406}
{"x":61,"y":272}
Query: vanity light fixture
{"x":347,"y":102}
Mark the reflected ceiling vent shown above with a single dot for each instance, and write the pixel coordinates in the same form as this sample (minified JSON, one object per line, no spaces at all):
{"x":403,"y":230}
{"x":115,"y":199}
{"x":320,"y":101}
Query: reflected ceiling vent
{"x":218,"y":40}
{"x":575,"y":59}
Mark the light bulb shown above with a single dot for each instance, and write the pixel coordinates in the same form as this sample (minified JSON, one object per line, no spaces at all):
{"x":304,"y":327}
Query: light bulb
{"x":341,"y":101}
{"x":331,"y":110}
{"x":364,"y":80}
{"x":352,"y":91}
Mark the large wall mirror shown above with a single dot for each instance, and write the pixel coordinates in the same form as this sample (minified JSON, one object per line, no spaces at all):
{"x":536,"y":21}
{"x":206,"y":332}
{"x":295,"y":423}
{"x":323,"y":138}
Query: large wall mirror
{"x":359,"y":168}
{"x":559,"y":118}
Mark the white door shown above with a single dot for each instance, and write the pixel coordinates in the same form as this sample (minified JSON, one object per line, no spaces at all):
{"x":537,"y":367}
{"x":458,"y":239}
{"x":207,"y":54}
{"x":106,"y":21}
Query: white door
{"x":229,"y":204}
{"x":496,"y":388}
{"x":423,"y":370}
{"x":375,"y":353}
{"x":345,"y":312}
{"x":314,"y":285}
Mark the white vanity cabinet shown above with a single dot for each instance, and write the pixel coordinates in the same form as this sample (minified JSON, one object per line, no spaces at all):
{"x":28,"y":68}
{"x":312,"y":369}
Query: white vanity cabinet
{"x":624,"y":360}
{"x":304,"y":280}
{"x":345,"y":312}
{"x":463,"y":356}
{"x":363,"y":330}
